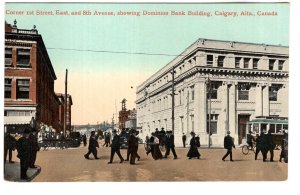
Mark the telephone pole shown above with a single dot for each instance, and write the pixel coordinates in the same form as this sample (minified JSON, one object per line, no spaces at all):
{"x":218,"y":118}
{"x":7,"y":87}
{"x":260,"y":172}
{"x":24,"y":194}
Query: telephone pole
{"x":65,"y":104}
{"x":173,"y":101}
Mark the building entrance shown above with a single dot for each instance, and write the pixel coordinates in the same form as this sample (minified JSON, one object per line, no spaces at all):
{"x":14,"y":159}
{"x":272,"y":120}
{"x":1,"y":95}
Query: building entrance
{"x":242,"y":124}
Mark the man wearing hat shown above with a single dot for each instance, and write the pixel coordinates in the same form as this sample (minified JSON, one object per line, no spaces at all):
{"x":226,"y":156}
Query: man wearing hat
{"x":23,"y":148}
{"x":93,"y":145}
{"x":115,"y":147}
{"x":170,"y":144}
{"x":133,"y":145}
{"x":228,"y":144}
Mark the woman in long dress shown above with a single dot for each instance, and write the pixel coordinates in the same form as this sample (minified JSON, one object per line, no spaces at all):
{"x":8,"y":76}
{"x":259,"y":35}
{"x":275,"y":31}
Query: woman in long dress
{"x":154,"y":145}
{"x":193,"y":152}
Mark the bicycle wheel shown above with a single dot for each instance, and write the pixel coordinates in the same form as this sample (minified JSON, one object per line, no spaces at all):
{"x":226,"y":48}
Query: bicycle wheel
{"x":245,"y":149}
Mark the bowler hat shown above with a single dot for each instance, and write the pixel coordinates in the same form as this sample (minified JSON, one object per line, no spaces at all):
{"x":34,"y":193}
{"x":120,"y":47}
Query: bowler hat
{"x":192,"y":133}
{"x":228,"y":132}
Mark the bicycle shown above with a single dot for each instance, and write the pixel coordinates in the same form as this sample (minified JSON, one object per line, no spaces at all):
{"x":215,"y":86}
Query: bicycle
{"x":246,"y":149}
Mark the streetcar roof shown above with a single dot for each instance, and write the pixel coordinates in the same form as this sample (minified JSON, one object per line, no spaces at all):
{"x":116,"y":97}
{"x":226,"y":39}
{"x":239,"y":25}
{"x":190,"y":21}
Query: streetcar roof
{"x":272,"y":121}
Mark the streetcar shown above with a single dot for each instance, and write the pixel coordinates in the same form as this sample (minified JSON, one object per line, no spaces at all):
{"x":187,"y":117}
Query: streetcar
{"x":274,"y":124}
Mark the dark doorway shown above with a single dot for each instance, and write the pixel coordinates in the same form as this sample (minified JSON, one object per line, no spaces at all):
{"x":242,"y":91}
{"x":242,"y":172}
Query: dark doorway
{"x":242,"y":123}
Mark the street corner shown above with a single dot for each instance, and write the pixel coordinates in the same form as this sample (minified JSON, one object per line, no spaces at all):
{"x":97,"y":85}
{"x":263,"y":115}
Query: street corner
{"x":12,"y":172}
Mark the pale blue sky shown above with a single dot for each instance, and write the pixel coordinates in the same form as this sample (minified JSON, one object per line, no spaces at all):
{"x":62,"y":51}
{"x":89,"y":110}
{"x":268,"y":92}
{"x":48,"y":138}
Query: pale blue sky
{"x":147,"y":34}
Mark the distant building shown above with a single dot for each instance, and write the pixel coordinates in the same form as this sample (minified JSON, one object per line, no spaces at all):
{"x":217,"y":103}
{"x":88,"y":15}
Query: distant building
{"x":221,"y":83}
{"x":127,"y":118}
{"x":130,"y":123}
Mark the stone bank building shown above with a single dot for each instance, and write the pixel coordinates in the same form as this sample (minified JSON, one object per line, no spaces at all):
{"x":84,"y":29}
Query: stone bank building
{"x":222,"y":83}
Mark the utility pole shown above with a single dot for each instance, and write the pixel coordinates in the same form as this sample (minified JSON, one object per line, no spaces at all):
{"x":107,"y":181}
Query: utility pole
{"x":65,"y":104}
{"x":173,"y":101}
{"x":209,"y":114}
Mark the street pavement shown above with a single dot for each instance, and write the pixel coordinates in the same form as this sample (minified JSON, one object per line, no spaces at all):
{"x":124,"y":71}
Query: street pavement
{"x":70,"y":165}
{"x":12,"y":172}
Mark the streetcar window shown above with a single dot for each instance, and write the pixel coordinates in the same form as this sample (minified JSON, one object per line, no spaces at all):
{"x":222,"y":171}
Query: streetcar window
{"x":272,"y":128}
{"x":285,"y":127}
{"x":278,"y":128}
{"x":256,"y":128}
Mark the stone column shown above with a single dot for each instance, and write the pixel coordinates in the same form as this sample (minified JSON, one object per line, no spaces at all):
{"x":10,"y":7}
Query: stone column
{"x":186,"y":110}
{"x":266,"y":103}
{"x":232,"y":108}
{"x":284,"y":99}
{"x":258,"y":100}
{"x":200,"y":110}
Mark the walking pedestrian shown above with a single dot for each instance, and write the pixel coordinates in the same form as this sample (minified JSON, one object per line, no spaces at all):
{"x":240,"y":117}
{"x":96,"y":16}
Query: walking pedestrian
{"x":84,"y":139}
{"x":133,"y":144}
{"x":115,"y":147}
{"x":183,"y":139}
{"x":258,"y":145}
{"x":23,"y":148}
{"x":9,"y":147}
{"x":34,"y":148}
{"x":154,"y":145}
{"x":228,"y":144}
{"x":270,"y":145}
{"x":170,"y":145}
{"x":193,"y":151}
{"x":93,"y":145}
{"x":284,"y":147}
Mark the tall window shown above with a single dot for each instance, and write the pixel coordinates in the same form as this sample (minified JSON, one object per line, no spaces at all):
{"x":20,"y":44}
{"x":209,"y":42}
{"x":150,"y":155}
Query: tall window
{"x":271,"y":64}
{"x":213,"y":124}
{"x":209,"y":60}
{"x":246,"y":62}
{"x":237,"y":62}
{"x":255,"y":63}
{"x":221,"y":61}
{"x":273,"y":92}
{"x":192,"y":92}
{"x":7,"y":88}
{"x":212,"y":89}
{"x":243,"y":91}
{"x":23,"y":89}
{"x":280,"y":64}
{"x":23,"y":57}
{"x":8,"y":56}
{"x":193,"y":124}
{"x":182,"y":124}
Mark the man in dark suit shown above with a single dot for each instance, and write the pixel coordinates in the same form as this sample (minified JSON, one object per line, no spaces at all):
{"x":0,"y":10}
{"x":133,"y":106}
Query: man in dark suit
{"x":133,"y":144}
{"x":115,"y":147}
{"x":258,"y":145}
{"x":23,"y":148}
{"x":9,"y":146}
{"x":170,"y":145}
{"x":84,"y":139}
{"x":228,"y":144}
{"x":93,"y":145}
{"x":34,"y":148}
{"x":183,"y":139}
{"x":270,"y":145}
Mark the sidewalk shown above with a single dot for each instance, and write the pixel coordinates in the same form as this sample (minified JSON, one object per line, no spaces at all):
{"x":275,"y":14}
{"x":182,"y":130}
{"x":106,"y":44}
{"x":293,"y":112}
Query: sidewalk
{"x":12,"y":172}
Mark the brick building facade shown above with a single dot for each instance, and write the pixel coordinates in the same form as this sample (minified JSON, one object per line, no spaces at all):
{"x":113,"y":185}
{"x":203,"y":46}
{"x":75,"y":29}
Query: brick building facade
{"x":29,"y":79}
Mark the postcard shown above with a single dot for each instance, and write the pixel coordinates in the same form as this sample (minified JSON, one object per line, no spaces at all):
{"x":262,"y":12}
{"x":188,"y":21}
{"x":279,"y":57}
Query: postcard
{"x":146,"y":92}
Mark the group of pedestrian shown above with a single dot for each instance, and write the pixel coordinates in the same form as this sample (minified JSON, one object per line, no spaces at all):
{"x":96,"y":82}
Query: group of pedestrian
{"x":27,"y":148}
{"x":265,"y":145}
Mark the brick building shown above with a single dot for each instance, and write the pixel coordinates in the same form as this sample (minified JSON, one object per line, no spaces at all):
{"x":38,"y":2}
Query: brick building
{"x":221,"y":83}
{"x":29,"y":80}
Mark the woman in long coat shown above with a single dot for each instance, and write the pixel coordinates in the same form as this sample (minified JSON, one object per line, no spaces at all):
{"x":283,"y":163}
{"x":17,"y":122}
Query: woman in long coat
{"x":193,"y":152}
